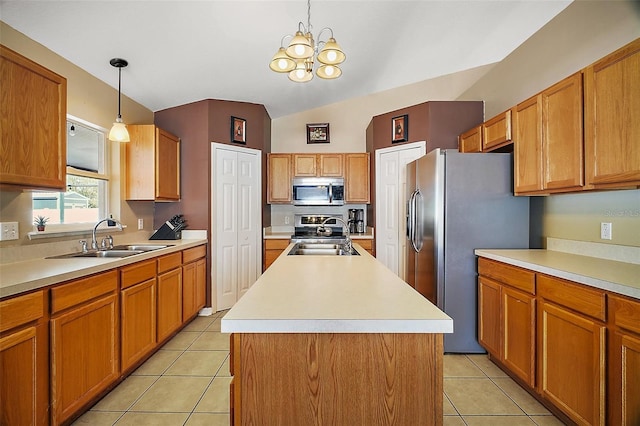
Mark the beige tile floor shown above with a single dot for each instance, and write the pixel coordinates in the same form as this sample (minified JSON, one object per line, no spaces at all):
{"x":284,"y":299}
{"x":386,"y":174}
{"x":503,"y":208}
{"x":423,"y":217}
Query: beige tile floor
{"x":187,"y":383}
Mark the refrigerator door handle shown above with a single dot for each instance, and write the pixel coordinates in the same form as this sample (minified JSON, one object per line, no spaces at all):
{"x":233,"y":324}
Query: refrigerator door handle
{"x":417,"y":222}
{"x":408,"y":216}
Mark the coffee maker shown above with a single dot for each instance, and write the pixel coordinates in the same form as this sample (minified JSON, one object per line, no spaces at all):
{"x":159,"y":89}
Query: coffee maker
{"x":356,"y":221}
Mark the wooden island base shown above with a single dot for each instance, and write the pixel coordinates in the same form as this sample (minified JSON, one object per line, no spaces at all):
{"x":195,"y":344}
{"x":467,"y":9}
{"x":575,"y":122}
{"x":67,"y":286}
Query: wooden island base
{"x":336,"y":379}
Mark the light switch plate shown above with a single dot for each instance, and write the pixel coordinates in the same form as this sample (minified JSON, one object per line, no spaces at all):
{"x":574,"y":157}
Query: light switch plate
{"x":9,"y":231}
{"x":605,"y":231}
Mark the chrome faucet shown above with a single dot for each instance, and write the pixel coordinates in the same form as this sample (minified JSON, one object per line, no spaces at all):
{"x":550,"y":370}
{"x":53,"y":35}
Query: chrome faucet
{"x":348,"y":244}
{"x":94,"y":241}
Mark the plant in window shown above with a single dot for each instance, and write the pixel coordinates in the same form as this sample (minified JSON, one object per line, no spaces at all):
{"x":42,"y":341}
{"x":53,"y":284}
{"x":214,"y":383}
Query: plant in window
{"x":40,"y":222}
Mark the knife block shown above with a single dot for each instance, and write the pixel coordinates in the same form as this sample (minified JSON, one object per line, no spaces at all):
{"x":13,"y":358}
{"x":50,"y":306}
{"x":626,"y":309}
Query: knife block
{"x":166,"y":232}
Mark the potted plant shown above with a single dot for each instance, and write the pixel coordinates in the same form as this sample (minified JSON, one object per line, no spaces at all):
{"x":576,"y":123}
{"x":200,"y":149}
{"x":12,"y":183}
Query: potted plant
{"x":40,"y":222}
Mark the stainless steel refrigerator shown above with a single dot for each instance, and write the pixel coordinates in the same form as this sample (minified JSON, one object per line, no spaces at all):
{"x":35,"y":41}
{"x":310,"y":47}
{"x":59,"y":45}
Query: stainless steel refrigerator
{"x":456,"y":203}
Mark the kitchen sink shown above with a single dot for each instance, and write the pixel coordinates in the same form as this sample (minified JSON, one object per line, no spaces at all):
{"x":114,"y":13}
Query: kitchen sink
{"x":116,"y":251}
{"x":142,"y":247}
{"x":319,"y":249}
{"x":98,"y":253}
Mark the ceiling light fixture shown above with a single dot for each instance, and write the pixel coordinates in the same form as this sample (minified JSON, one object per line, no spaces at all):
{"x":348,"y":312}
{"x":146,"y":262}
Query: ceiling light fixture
{"x":297,"y":59}
{"x":119,"y":131}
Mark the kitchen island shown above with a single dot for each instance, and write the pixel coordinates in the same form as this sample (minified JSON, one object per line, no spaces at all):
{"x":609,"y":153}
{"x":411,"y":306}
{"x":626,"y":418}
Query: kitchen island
{"x":333,"y":340}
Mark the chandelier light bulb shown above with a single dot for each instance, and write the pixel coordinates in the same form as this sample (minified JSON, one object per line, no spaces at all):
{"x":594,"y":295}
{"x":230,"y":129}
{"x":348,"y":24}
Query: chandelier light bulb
{"x":300,"y":73}
{"x":329,"y":70}
{"x":282,"y":64}
{"x":331,"y":55}
{"x":299,"y":50}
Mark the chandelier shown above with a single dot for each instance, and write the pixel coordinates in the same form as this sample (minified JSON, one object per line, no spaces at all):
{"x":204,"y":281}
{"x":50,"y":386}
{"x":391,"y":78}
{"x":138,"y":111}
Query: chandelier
{"x":297,"y":59}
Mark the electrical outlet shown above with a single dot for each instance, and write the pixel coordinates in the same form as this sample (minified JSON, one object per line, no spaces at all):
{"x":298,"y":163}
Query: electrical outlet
{"x":9,"y":231}
{"x":140,"y":223}
{"x":605,"y":231}
{"x":286,"y":220}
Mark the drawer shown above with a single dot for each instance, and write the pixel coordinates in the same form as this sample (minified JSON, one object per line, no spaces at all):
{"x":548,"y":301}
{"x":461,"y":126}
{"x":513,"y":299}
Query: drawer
{"x":506,"y":274}
{"x":20,"y":310}
{"x":195,"y":253}
{"x":583,"y":299}
{"x":137,"y":273}
{"x":365,"y":244}
{"x":169,"y":261}
{"x":83,"y":290}
{"x":625,"y":313}
{"x":276,"y":244}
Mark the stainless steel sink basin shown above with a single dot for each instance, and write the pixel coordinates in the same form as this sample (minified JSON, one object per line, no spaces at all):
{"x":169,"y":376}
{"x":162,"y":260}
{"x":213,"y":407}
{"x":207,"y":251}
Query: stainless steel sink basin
{"x":116,"y":251}
{"x":319,"y":249}
{"x":141,"y":247}
{"x":98,"y":253}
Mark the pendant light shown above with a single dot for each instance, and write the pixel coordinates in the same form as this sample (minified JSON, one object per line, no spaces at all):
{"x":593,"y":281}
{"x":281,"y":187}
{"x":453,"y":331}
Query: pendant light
{"x":119,"y":131}
{"x":297,"y":59}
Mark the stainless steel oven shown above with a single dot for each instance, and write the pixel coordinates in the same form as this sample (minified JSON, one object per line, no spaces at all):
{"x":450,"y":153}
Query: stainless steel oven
{"x":318,"y":191}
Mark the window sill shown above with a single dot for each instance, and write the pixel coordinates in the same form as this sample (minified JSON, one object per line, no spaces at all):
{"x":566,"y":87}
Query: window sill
{"x":57,"y":231}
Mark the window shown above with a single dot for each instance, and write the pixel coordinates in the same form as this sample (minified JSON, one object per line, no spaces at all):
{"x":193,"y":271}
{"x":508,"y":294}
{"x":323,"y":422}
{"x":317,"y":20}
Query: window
{"x":86,"y":198}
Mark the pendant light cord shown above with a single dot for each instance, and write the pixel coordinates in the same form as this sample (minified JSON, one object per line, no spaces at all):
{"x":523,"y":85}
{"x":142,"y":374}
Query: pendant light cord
{"x":119,"y":86}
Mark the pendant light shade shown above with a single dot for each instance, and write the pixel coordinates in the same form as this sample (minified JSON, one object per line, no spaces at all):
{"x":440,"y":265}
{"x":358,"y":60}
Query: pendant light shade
{"x":299,"y":47}
{"x":331,"y":54}
{"x":118,"y":132}
{"x":281,"y":62}
{"x":298,"y":57}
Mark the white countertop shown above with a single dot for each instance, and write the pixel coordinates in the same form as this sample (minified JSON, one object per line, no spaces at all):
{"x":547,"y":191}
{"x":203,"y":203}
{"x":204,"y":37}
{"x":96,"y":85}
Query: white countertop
{"x":333,"y":294}
{"x":20,"y":277}
{"x":618,"y":277}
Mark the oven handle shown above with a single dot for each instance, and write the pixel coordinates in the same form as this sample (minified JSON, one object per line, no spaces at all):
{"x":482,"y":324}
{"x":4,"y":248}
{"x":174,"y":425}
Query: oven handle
{"x":330,"y":193}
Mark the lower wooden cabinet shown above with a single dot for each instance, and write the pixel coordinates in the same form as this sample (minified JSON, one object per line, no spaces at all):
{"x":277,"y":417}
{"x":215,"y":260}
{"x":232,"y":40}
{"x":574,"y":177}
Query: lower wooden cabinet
{"x":138,"y":312}
{"x":572,"y":363}
{"x":194,"y":281}
{"x":506,"y":317}
{"x":623,"y":402}
{"x":169,"y":302}
{"x":24,"y":360}
{"x":84,"y":342}
{"x":489,"y":331}
{"x":576,"y":347}
{"x":273,"y":249}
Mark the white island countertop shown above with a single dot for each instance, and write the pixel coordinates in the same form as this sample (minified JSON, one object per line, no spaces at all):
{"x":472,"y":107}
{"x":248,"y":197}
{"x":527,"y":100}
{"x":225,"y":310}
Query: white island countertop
{"x":333,"y":294}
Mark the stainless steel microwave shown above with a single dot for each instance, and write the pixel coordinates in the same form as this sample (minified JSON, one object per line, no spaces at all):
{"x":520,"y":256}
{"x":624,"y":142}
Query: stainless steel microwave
{"x":318,"y":191}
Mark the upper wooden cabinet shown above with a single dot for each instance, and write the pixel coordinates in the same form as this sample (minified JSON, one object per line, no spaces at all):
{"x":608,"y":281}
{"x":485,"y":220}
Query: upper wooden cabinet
{"x":357,"y":187}
{"x":152,"y":164}
{"x":471,"y":140}
{"x":496,"y":132}
{"x":548,"y":140}
{"x":354,"y":167}
{"x":612,"y":124}
{"x":312,"y":165}
{"x":33,"y":143}
{"x":279,"y":178}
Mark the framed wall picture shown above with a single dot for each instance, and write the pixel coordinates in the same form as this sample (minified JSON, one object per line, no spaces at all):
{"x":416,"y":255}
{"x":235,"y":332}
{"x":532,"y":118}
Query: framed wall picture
{"x":400,"y":128}
{"x":238,"y":130}
{"x":318,"y":133}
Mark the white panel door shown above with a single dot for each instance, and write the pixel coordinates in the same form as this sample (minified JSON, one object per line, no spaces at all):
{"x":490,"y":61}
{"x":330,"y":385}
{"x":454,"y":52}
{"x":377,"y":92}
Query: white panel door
{"x":248,"y":229}
{"x":236,"y":221}
{"x":391,"y":165}
{"x":226,"y":229}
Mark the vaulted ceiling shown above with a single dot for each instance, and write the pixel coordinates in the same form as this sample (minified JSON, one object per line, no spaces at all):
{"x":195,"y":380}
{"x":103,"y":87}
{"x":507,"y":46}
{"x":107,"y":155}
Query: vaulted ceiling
{"x":185,"y":51}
